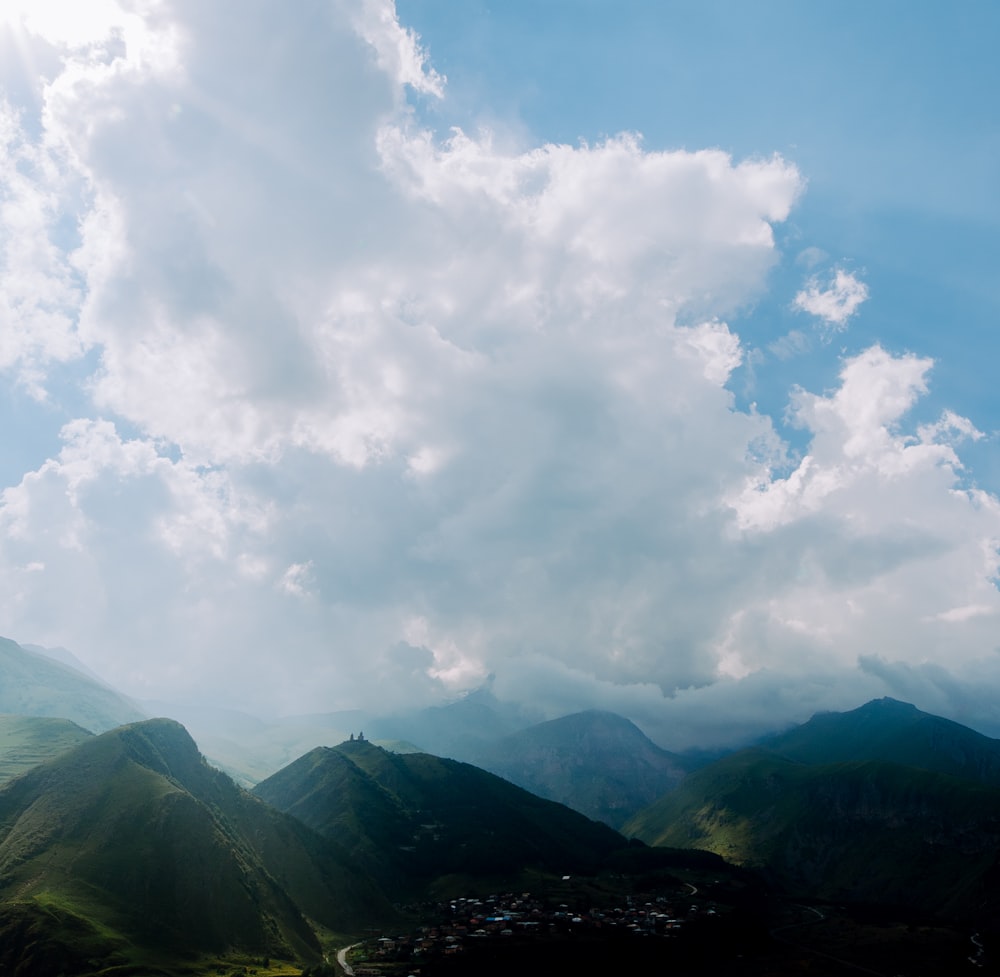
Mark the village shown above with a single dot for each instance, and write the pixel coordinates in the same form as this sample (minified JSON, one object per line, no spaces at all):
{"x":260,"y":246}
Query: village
{"x":463,"y":925}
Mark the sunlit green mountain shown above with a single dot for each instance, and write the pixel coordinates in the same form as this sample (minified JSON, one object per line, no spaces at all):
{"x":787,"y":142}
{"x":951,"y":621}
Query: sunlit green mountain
{"x":828,"y":810}
{"x":129,"y":849}
{"x":26,"y":741}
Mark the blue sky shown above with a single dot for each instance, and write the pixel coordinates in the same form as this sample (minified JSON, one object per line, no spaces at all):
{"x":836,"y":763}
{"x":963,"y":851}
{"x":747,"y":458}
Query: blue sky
{"x":889,"y":109}
{"x":632,"y":355}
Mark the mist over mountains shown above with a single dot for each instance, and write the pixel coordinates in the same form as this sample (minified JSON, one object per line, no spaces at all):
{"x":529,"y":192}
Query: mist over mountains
{"x":125,"y":848}
{"x":35,"y":684}
{"x":491,"y":460}
{"x":598,"y":763}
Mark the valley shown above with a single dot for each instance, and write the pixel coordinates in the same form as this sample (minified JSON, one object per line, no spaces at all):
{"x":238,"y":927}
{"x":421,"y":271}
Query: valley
{"x":864,"y":841}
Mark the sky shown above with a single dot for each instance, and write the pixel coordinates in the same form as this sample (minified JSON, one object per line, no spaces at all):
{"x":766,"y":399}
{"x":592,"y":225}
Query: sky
{"x":629,"y":355}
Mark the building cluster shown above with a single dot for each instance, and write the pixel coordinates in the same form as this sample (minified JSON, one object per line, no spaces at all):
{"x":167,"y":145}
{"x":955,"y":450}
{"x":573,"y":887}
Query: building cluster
{"x":511,"y":916}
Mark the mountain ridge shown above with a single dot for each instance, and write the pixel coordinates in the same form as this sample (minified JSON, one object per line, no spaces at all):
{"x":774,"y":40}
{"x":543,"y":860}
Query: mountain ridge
{"x":828,"y":810}
{"x":132,"y":838}
{"x":26,"y":741}
{"x":417,"y":817}
{"x":33,"y":684}
{"x":888,"y":729}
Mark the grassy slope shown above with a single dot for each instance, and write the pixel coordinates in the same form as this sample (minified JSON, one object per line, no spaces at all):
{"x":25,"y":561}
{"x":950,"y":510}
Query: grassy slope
{"x":132,"y":841}
{"x":26,"y":741}
{"x":867,"y":830}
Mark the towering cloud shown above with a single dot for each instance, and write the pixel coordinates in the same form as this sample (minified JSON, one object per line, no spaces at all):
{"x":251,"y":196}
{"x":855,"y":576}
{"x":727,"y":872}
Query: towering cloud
{"x":368,"y":413}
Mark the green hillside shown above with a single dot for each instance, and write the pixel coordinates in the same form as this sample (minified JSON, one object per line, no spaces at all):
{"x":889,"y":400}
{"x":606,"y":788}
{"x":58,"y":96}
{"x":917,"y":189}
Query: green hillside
{"x":416,"y":818}
{"x":132,"y":848}
{"x":26,"y":741}
{"x":36,"y":685}
{"x":866,"y":831}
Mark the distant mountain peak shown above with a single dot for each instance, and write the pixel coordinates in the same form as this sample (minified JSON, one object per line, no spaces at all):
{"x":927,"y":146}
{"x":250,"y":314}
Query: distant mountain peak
{"x":889,"y":730}
{"x":887,"y":703}
{"x":883,"y":707}
{"x":598,"y":762}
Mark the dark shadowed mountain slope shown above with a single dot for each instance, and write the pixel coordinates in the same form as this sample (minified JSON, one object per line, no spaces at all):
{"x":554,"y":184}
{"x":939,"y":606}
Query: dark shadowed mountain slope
{"x":598,"y":763}
{"x":415,"y":817}
{"x":886,"y":729}
{"x":131,"y":846}
{"x":36,"y":685}
{"x":866,"y":831}
{"x":26,"y":741}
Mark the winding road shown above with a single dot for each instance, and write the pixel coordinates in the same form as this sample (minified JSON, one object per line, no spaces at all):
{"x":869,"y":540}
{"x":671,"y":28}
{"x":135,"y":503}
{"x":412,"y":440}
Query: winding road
{"x":342,"y":959}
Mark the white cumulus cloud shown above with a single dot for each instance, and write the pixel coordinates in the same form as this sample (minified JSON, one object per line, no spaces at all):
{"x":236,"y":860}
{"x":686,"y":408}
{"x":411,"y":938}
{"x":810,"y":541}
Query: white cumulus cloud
{"x":368,"y":414}
{"x":835,"y":303}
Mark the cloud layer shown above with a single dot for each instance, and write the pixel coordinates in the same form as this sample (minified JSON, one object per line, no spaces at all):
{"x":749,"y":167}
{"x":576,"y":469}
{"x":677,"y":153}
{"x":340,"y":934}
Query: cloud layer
{"x":373,"y":414}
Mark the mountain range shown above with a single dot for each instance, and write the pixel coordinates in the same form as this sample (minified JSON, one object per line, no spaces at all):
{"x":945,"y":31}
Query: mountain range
{"x":416,"y":819}
{"x":126,"y":852}
{"x":883,"y":804}
{"x":597,"y":763}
